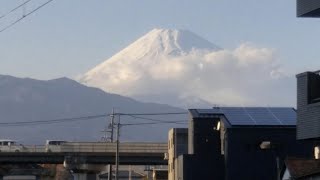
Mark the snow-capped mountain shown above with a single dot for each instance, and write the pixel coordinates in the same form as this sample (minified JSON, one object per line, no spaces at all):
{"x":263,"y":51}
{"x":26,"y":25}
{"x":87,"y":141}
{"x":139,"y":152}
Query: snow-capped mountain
{"x":149,"y":51}
{"x":178,"y":67}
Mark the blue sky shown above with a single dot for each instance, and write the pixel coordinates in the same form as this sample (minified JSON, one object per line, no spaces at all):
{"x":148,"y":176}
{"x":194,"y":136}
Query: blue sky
{"x":67,"y":38}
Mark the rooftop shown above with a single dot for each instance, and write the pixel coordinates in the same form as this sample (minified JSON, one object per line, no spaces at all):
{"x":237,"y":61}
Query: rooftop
{"x":249,"y":116}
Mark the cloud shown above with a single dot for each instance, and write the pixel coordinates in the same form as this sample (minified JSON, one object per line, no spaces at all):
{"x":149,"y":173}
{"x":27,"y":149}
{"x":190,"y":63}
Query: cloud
{"x":247,"y":75}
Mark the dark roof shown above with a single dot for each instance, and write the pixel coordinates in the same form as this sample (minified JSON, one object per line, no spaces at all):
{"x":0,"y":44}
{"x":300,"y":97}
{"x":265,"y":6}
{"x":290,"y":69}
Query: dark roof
{"x":180,"y":130}
{"x":299,"y":168}
{"x":250,"y":116}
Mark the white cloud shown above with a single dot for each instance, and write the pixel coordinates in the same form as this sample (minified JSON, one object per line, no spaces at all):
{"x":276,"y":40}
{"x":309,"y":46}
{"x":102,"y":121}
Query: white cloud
{"x":246,"y":75}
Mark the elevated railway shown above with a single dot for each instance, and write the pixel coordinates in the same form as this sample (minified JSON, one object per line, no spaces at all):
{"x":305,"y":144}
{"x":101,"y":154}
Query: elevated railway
{"x":133,"y":153}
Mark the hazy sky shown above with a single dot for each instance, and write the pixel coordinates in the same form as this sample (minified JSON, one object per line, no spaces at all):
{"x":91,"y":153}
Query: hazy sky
{"x":69,"y":37}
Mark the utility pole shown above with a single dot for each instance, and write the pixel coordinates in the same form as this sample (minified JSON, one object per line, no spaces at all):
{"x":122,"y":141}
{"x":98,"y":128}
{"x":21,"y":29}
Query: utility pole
{"x":130,"y":172}
{"x":111,"y":140}
{"x":117,"y":149}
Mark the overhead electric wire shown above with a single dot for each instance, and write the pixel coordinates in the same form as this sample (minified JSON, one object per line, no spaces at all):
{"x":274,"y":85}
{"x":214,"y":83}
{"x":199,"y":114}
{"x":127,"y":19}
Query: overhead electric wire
{"x":152,"y":114}
{"x":169,"y":122}
{"x":155,"y":120}
{"x":24,"y":16}
{"x":14,"y":9}
{"x":83,"y":118}
{"x":52,"y":121}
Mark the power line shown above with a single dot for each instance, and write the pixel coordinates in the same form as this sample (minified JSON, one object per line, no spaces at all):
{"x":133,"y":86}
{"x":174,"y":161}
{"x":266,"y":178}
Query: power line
{"x":169,"y":122}
{"x":24,"y":16}
{"x":155,"y":120}
{"x":52,"y":121}
{"x":152,"y":114}
{"x":62,"y":120}
{"x":14,"y":9}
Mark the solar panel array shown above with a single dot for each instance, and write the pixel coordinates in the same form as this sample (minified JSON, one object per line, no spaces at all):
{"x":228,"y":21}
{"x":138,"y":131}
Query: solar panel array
{"x":255,"y":115}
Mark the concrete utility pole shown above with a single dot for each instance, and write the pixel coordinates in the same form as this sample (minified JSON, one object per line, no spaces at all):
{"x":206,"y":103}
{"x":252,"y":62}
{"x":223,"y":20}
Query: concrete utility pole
{"x":111,"y":140}
{"x":117,"y":150}
{"x":130,"y":172}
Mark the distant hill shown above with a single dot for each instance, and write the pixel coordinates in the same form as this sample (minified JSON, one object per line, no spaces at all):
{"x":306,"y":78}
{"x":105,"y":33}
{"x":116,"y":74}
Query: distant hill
{"x":31,"y":100}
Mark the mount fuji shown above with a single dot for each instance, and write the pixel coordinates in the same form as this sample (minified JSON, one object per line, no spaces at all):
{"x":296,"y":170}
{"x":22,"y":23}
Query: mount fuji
{"x":151,"y":50}
{"x":182,"y":69}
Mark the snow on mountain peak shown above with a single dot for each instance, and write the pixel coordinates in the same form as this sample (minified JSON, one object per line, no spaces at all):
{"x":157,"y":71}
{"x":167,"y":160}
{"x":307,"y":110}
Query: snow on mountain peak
{"x":177,"y":66}
{"x":173,"y":42}
{"x":157,"y":43}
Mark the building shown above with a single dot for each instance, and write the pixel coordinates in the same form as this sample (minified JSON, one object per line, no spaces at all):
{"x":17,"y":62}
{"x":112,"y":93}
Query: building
{"x":308,"y":105}
{"x":308,"y":125}
{"x":204,"y":144}
{"x":308,"y":8}
{"x":177,"y":145}
{"x":221,"y":140}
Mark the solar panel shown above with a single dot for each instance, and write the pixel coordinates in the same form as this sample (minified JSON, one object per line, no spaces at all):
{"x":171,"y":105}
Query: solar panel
{"x":262,"y":116}
{"x":254,"y":115}
{"x":237,"y":116}
{"x":287,"y":116}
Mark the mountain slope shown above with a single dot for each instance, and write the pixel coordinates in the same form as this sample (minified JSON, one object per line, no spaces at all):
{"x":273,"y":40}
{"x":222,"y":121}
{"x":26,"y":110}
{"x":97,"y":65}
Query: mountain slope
{"x":156,"y":43}
{"x":33,"y":100}
{"x":182,"y":69}
{"x":118,"y":74}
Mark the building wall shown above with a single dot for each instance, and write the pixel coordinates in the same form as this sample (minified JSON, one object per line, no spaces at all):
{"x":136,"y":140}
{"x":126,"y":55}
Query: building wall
{"x":185,"y":170}
{"x":203,"y":139}
{"x":205,"y":146}
{"x":242,"y":146}
{"x":308,"y":8}
{"x":308,"y":108}
{"x":177,"y":145}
